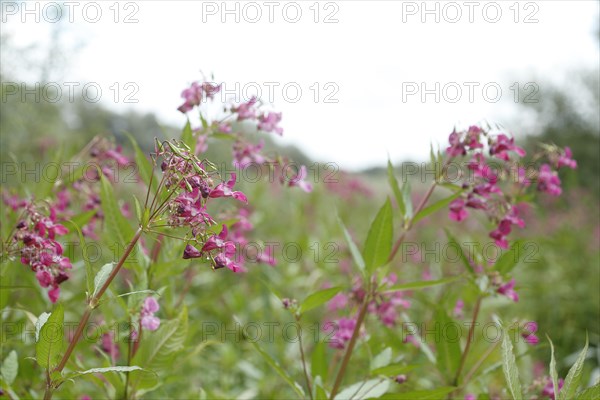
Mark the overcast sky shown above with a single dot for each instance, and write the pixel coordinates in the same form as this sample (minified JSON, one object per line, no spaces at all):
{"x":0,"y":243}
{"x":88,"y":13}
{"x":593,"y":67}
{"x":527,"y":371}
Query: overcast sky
{"x":360,"y":68}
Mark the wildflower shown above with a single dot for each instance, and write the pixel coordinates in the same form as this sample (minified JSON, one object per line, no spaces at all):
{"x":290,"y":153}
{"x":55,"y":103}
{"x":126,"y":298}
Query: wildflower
{"x":343,"y":334}
{"x":148,"y":320}
{"x":501,"y":144}
{"x":268,"y":122}
{"x":457,"y":210}
{"x":338,"y":302}
{"x":470,"y":396}
{"x":225,"y":190}
{"x":299,"y":180}
{"x":507,"y":290}
{"x":566,"y":160}
{"x":246,"y":110}
{"x":548,"y":390}
{"x":109,"y":346}
{"x":548,"y":181}
{"x":530,"y":328}
{"x":458,"y":308}
{"x":245,"y":154}
{"x":400,"y":379}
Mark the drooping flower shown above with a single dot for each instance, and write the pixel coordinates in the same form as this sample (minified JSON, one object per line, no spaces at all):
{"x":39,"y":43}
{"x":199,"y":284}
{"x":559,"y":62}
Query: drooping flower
{"x":457,"y":210}
{"x":458,"y":308}
{"x":246,"y":110}
{"x":147,"y":318}
{"x":528,"y":334}
{"x":343,"y":334}
{"x":548,"y":390}
{"x":501,"y":144}
{"x":244,"y":154}
{"x":548,"y":181}
{"x":507,"y":290}
{"x":224,"y":189}
{"x":565,"y":159}
{"x":268,"y":122}
{"x":299,"y":180}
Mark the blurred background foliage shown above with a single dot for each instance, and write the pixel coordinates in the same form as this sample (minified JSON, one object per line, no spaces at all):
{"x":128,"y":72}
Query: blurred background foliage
{"x":560,"y":289}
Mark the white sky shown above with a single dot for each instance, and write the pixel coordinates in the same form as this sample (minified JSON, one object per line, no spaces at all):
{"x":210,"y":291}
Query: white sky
{"x":374,"y":50}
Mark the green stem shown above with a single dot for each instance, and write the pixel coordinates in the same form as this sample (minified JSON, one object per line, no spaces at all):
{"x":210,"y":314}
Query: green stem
{"x":340,"y":375}
{"x":463,"y":359}
{"x":92,"y":304}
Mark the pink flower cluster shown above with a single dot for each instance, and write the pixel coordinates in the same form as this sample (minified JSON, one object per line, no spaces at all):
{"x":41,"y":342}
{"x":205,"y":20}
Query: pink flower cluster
{"x":36,"y":232}
{"x":385,"y":306}
{"x":197,"y":92}
{"x":483,"y":191}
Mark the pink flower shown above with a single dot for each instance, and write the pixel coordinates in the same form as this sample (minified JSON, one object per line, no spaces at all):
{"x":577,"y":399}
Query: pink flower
{"x":566,"y":160}
{"x":530,"y":328}
{"x":109,"y":346}
{"x":500,"y":233}
{"x":148,"y":320}
{"x":501,"y":144}
{"x":458,"y":308}
{"x":268,"y":123}
{"x":338,"y":302}
{"x":225,"y":190}
{"x":470,"y":396}
{"x":299,"y":180}
{"x":548,"y":181}
{"x":245,"y":154}
{"x":343,"y":334}
{"x":508,"y":290}
{"x":400,"y":379}
{"x":548,"y":390}
{"x":457,"y":210}
{"x":219,"y":242}
{"x":246,"y":110}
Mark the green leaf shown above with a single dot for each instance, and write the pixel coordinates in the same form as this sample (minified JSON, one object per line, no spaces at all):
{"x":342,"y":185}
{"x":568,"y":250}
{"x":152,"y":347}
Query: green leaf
{"x":396,"y":189}
{"x":420,"y":284}
{"x":50,"y":340}
{"x":371,"y":389}
{"x":118,"y":228}
{"x":159,"y":348}
{"x":144,"y":165}
{"x":441,"y":204}
{"x":591,"y":393}
{"x":509,"y":259}
{"x":356,"y":256}
{"x":382,"y":359}
{"x":574,"y":376}
{"x":407,"y":198}
{"x":187,"y":136}
{"x":452,"y":241}
{"x":393,"y":370}
{"x":316,"y":299}
{"x":102,"y":276}
{"x":89,"y":271}
{"x":510,"y":369}
{"x":138,"y":211}
{"x":433,"y":394}
{"x":448,"y":344}
{"x":10,"y":367}
{"x":379,"y":240}
{"x":320,"y":393}
{"x":282,"y":373}
{"x":83,"y":218}
{"x":105,"y":370}
{"x":318,"y":364}
{"x":553,"y":373}
{"x":41,"y":320}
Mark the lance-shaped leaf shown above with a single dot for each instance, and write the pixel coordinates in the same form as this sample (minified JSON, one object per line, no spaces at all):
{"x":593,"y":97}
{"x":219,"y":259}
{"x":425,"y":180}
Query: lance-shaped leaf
{"x":438,"y":205}
{"x":574,"y":376}
{"x":50,"y":339}
{"x":356,"y":256}
{"x":102,"y":276}
{"x":396,"y":189}
{"x":510,"y":369}
{"x":280,"y":371}
{"x":10,"y":367}
{"x":316,"y":299}
{"x":420,"y":284}
{"x":379,"y":240}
